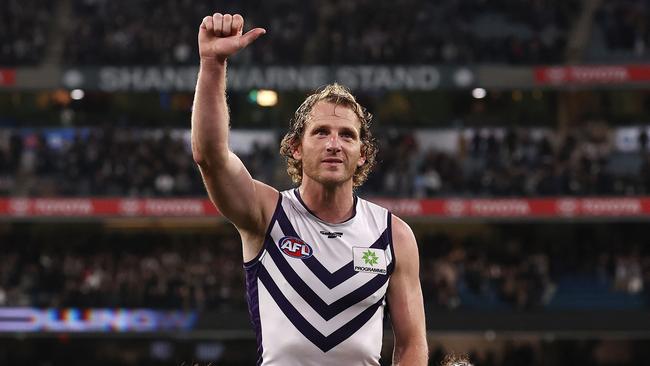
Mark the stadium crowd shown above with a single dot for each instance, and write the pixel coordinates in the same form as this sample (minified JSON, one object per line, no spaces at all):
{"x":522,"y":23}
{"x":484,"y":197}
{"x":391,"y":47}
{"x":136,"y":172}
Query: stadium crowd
{"x":510,"y":269}
{"x":623,"y":26}
{"x":169,"y":275}
{"x":103,"y":32}
{"x":146,"y":163}
{"x":582,"y":161}
{"x":103,"y":162}
{"x":524,"y":269}
{"x":24,"y":31}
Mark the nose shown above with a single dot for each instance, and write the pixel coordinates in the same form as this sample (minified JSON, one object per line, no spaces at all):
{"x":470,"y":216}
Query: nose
{"x":333,"y":144}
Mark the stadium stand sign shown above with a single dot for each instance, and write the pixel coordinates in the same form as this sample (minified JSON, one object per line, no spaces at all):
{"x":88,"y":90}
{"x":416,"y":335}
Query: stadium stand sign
{"x":358,"y":77}
{"x":452,"y":208}
{"x":285,"y":78}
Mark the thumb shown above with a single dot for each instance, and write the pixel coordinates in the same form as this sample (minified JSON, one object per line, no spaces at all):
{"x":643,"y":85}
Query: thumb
{"x":251,"y":36}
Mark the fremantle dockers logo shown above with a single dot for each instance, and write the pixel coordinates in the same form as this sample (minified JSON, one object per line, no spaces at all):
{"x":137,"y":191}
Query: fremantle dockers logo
{"x":295,"y":247}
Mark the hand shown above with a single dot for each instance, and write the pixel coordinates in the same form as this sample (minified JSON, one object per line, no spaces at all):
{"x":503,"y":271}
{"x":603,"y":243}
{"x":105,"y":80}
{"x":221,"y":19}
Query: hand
{"x":220,"y":36}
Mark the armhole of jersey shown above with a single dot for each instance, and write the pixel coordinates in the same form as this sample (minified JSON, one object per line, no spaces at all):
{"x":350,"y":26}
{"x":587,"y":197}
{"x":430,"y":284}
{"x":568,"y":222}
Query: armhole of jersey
{"x":267,"y":235}
{"x":389,"y":231}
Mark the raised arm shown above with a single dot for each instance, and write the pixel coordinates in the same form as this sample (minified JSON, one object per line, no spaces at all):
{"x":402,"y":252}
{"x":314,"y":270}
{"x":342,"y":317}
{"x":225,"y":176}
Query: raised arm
{"x":405,"y":300}
{"x":241,"y":199}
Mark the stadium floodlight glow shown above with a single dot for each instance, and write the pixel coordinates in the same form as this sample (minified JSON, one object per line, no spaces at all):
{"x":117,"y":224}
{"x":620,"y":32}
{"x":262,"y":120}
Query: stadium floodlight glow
{"x":267,"y":98}
{"x":479,"y":93}
{"x":77,"y":94}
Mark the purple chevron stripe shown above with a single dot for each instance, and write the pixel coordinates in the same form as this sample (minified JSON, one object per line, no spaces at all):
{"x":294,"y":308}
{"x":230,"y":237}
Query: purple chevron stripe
{"x":252,"y":298}
{"x":323,"y":309}
{"x":354,"y":325}
{"x":389,"y":237}
{"x":252,"y":270}
{"x":329,"y":279}
{"x":325,"y":343}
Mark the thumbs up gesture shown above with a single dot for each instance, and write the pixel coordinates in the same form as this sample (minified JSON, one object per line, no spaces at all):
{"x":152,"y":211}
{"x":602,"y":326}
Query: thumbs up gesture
{"x":220,"y":36}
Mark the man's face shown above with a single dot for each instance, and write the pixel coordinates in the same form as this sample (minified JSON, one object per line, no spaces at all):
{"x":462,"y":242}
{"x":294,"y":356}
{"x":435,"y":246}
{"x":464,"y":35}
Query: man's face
{"x":330,"y":148}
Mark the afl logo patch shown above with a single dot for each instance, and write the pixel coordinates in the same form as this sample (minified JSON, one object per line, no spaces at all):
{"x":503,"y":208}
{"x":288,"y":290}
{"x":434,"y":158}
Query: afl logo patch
{"x":295,"y":247}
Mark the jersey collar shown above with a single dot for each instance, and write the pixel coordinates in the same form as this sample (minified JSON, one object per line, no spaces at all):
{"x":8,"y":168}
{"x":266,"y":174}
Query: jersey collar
{"x":296,"y":192}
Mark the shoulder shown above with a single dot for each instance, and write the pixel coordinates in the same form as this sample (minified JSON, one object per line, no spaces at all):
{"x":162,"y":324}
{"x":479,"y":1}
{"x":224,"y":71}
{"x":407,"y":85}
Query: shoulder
{"x":402,"y":232}
{"x":404,"y":242}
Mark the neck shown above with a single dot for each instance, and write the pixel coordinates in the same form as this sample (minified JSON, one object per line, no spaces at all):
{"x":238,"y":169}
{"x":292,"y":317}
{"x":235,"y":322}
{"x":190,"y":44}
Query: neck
{"x":332,"y":204}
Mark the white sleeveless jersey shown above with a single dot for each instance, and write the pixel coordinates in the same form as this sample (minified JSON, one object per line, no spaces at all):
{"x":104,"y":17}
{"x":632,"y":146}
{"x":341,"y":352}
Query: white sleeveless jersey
{"x":316,"y":291}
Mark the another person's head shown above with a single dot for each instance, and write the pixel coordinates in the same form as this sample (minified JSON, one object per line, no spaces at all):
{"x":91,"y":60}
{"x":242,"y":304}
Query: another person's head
{"x":329,"y":139}
{"x":454,"y":359}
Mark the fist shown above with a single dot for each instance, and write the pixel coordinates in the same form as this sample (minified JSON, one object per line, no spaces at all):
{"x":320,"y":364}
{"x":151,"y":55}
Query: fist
{"x":220,"y":36}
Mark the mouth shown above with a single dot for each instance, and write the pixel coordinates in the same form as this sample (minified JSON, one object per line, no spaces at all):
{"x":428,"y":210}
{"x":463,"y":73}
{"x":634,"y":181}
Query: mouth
{"x":332,"y":161}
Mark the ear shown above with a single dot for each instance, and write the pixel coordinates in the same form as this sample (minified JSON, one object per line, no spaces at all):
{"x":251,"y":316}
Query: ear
{"x":361,"y":161}
{"x":296,"y":150}
{"x":362,"y":157}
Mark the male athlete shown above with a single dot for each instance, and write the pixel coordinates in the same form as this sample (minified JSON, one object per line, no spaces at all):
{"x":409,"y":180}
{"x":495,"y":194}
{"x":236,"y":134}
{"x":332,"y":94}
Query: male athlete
{"x":320,"y":263}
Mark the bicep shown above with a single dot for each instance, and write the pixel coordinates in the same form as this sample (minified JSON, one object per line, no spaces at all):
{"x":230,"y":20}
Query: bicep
{"x":241,"y":199}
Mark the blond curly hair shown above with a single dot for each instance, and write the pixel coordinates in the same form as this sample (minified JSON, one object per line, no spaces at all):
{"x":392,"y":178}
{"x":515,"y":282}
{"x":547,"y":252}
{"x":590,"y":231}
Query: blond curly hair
{"x":454,"y":359}
{"x":339,"y":95}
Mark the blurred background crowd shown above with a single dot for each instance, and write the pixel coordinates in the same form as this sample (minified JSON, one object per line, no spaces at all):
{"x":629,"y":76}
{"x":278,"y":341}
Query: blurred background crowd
{"x":316,"y":31}
{"x":514,"y":162}
{"x":508,"y":267}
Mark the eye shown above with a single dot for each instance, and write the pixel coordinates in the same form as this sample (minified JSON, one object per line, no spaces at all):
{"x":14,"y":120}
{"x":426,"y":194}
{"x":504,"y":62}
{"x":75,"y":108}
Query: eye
{"x":320,"y":132}
{"x":347,"y":135}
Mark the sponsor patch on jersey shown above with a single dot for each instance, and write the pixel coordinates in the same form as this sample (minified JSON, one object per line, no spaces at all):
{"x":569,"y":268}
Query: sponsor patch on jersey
{"x":369,"y":260}
{"x":295,"y":247}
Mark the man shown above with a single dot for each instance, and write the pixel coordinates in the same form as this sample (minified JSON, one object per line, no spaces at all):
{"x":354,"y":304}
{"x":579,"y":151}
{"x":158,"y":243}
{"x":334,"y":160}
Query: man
{"x":320,"y":263}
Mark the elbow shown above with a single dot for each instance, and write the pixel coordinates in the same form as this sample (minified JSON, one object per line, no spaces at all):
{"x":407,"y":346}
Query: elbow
{"x":198,"y":157}
{"x":218,"y":157}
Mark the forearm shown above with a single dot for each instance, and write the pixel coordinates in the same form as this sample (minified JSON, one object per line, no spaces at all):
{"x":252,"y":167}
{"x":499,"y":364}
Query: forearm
{"x":413,"y":354}
{"x":210,"y":120}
